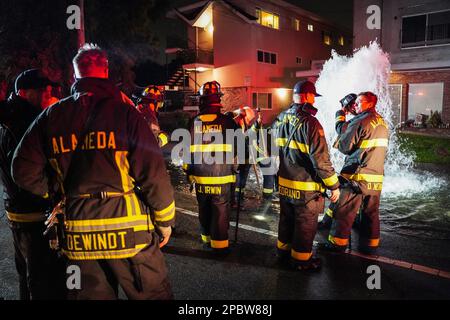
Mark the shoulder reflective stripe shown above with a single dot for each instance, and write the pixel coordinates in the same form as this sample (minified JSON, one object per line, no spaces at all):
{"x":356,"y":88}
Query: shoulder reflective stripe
{"x":106,"y":224}
{"x":300,"y":185}
{"x":374,"y":143}
{"x":123,"y":166}
{"x":329,"y":213}
{"x":364,"y":177}
{"x":118,"y":254}
{"x":26,"y":217}
{"x":165,"y":214}
{"x":330,"y":181}
{"x":283,"y":246}
{"x":211,"y":147}
{"x":301,"y":256}
{"x":340,"y":118}
{"x":207,"y":117}
{"x":219,"y":244}
{"x":281,"y":142}
{"x":337,"y":241}
{"x":215,"y":180}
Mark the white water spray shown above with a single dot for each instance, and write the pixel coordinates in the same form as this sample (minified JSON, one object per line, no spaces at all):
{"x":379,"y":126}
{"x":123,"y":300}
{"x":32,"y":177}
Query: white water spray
{"x":368,"y":70}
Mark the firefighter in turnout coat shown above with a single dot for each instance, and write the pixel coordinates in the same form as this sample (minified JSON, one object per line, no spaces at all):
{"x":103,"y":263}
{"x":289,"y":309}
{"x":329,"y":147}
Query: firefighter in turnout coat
{"x":305,"y":173}
{"x":101,"y":150}
{"x":364,"y":139}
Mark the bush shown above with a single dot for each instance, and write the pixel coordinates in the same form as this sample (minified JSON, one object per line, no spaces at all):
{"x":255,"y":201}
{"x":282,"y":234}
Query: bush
{"x":435,"y":120}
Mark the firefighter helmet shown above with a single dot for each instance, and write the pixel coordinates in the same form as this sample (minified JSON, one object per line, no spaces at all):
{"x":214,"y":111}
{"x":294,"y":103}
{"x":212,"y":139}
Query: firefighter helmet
{"x":210,"y":88}
{"x":152,"y":94}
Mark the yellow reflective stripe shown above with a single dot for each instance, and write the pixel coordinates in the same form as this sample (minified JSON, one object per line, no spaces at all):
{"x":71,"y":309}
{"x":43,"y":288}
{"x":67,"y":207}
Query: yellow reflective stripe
{"x":206,"y":239}
{"x":165,"y":214}
{"x":215,"y":180}
{"x":124,"y":166}
{"x":207,"y":117}
{"x":281,"y":142}
{"x":163,"y":138}
{"x":219,"y":244}
{"x":117,"y":254}
{"x":211,"y":147}
{"x":267,"y":190}
{"x":340,"y":118}
{"x":329,"y":213}
{"x":302,"y":256}
{"x":300,"y":185}
{"x":374,"y":143}
{"x":373,"y":242}
{"x":26,"y":217}
{"x":364,"y":177}
{"x":108,"y":224}
{"x":338,"y":241}
{"x":185,"y":166}
{"x":237,"y":189}
{"x":46,"y":195}
{"x":283,"y":246}
{"x":330,"y":181}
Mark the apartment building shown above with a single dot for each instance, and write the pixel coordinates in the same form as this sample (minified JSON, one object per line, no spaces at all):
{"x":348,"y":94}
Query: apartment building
{"x":256,"y":49}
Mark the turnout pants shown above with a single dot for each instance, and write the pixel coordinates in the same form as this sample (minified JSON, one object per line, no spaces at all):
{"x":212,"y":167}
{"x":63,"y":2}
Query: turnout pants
{"x":214,"y":216}
{"x":297,"y":227}
{"x":41,"y":271}
{"x":142,"y":277}
{"x":344,"y":215}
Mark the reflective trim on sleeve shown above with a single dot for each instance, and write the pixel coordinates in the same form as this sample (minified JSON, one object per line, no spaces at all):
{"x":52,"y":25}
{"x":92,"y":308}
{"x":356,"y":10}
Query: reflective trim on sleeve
{"x":281,"y":142}
{"x":211,"y":147}
{"x":219,"y":244}
{"x":267,"y":190}
{"x":283,"y":246}
{"x":374,"y":143}
{"x":165,"y":214}
{"x":214,"y":180}
{"x":301,"y":256}
{"x":26,"y":217}
{"x":340,"y":118}
{"x":329,"y":213}
{"x":338,"y":241}
{"x":300,"y":185}
{"x":330,"y":181}
{"x":163,"y":138}
{"x":364,"y":177}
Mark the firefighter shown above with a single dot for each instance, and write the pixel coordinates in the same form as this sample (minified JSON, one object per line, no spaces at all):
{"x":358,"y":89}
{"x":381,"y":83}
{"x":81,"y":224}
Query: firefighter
{"x":364,"y":141}
{"x":100,"y":150}
{"x":347,"y":106}
{"x":40,"y":271}
{"x":148,"y":104}
{"x":305,"y":173}
{"x":212,"y":168}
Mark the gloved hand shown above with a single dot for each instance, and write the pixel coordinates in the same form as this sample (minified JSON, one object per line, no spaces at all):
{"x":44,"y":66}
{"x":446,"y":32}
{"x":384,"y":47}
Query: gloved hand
{"x":165,"y":233}
{"x":335,"y":195}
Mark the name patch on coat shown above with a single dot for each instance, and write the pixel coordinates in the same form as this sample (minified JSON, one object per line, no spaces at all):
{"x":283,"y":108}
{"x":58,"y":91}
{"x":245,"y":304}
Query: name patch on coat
{"x":100,"y":241}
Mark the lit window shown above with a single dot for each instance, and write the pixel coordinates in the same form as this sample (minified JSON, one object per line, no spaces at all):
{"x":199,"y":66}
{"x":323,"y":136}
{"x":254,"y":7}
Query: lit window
{"x":310,"y":27}
{"x":424,"y":98}
{"x":326,"y":38}
{"x":341,"y":40}
{"x":296,"y":24}
{"x":268,"y":19}
{"x":262,"y":100}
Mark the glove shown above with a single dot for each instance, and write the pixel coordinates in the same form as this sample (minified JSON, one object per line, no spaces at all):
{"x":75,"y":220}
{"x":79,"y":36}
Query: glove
{"x":164,"y":233}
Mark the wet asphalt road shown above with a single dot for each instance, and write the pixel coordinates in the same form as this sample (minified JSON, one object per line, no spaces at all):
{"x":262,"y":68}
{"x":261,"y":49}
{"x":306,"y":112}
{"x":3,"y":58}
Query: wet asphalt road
{"x":251,"y":270}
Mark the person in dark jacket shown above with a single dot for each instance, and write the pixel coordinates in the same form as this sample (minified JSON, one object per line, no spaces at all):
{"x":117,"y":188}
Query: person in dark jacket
{"x":101,"y":151}
{"x":364,"y":139}
{"x":40,"y":271}
{"x":212,"y":167}
{"x":305,"y":173}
